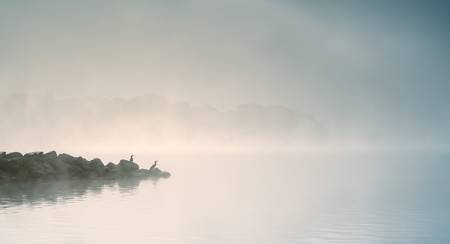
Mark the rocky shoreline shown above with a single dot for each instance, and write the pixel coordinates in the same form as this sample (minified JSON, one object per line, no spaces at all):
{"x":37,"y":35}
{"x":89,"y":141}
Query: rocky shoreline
{"x":15,"y":166}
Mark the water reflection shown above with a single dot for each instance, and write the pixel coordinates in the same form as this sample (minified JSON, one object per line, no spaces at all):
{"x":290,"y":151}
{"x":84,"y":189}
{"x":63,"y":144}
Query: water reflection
{"x":384,"y":201}
{"x":52,"y":192}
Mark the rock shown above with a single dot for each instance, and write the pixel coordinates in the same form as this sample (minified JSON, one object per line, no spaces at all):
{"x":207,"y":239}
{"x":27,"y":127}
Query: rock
{"x":51,"y":155}
{"x":97,"y":167}
{"x":98,"y":162}
{"x":156,"y":172}
{"x":165,"y":174}
{"x":127,"y":166}
{"x":33,"y":154}
{"x":75,"y":167}
{"x":58,"y":165}
{"x":10,"y":166}
{"x":35,"y":168}
{"x":4,"y":164}
{"x":37,"y":165}
{"x":111,"y":169}
{"x":111,"y":166}
{"x":65,"y":157}
{"x":13,"y":155}
{"x":142,"y":173}
{"x":79,"y":168}
{"x":4,"y":176}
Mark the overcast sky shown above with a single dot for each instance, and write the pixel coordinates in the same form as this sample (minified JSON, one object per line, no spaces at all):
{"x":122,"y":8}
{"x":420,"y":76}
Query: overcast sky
{"x":372,"y":69}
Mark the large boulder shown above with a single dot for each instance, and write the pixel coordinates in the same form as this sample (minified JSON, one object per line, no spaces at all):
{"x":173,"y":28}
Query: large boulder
{"x":65,"y":157}
{"x":97,"y":167}
{"x":165,"y":174}
{"x":111,"y":169}
{"x":37,"y":168}
{"x":34,"y":154}
{"x":111,"y":166}
{"x":142,"y":173}
{"x":76,"y":167}
{"x":4,"y":176}
{"x":59,"y":166}
{"x":156,"y":172}
{"x":13,"y":155}
{"x":56,"y":163}
{"x":2,"y":154}
{"x":51,"y":155}
{"x":10,"y":166}
{"x":127,"y":166}
{"x":5,"y":166}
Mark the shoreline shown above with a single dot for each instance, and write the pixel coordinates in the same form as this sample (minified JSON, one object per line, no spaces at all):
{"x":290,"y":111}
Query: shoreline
{"x":15,"y":166}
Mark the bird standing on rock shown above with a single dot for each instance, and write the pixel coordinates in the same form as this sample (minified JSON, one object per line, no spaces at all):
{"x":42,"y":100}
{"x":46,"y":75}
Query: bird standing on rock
{"x":153,"y":166}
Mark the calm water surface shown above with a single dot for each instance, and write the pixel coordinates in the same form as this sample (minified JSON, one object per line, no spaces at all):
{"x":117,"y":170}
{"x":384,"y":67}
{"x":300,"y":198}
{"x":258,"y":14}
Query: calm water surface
{"x":242,"y":199}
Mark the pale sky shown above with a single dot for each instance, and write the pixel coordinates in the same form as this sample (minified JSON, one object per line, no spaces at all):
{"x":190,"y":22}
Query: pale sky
{"x":368,"y":69}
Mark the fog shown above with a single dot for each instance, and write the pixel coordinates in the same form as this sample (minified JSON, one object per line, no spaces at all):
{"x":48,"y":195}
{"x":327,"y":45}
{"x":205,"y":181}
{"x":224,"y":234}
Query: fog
{"x":155,"y":124}
{"x":224,"y":76}
{"x":150,"y":123}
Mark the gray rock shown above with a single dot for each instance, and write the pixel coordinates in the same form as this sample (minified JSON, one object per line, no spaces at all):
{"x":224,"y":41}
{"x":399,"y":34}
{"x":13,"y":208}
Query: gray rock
{"x":51,"y":155}
{"x":37,"y":169}
{"x":127,"y":166}
{"x":58,"y":165}
{"x":156,"y":172}
{"x":97,"y":167}
{"x":13,"y":155}
{"x":65,"y":157}
{"x":75,"y":167}
{"x":4,"y":176}
{"x":111,"y":166}
{"x":33,"y":154}
{"x":111,"y":169}
{"x":9,"y":166}
{"x":37,"y":165}
{"x":142,"y":173}
{"x":165,"y":174}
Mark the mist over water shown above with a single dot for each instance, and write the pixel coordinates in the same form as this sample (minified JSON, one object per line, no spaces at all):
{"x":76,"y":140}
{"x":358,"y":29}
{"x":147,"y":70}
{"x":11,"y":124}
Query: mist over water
{"x":149,"y":123}
{"x":87,"y":125}
{"x":242,"y":199}
{"x":280,"y":121}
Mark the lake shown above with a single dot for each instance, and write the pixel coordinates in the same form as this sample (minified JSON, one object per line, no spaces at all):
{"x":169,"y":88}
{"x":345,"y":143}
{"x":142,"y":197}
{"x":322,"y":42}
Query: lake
{"x":334,"y":198}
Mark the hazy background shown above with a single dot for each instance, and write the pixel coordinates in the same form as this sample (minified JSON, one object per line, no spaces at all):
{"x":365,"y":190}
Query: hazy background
{"x":224,"y":76}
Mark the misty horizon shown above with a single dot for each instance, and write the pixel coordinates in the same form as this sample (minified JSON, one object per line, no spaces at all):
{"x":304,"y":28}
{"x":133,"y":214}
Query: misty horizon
{"x":225,"y":121}
{"x":160,"y":125}
{"x":312,"y":75}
